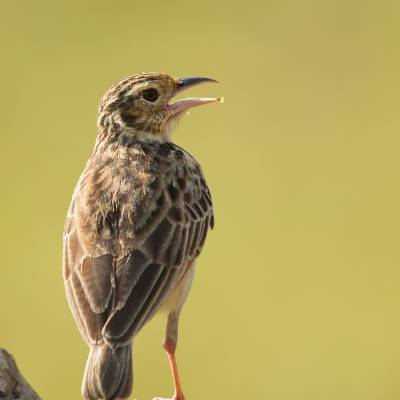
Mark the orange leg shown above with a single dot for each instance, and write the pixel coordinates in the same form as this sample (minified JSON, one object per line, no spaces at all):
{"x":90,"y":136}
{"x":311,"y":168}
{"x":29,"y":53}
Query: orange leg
{"x":171,"y":338}
{"x":170,"y":347}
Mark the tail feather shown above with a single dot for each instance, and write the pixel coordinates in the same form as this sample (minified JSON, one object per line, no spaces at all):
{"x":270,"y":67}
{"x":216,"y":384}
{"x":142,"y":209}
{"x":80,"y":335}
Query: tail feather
{"x":108,"y":373}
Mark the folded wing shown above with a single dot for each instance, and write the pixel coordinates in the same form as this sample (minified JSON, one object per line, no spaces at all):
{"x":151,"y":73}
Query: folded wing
{"x":113,"y":296}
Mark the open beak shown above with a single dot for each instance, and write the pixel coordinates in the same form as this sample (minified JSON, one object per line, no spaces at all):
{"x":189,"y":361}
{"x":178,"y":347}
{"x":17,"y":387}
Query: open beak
{"x":183,"y":105}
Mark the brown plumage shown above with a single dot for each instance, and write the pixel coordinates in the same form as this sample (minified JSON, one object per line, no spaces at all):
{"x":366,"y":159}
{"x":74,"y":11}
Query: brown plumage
{"x":138,"y":219}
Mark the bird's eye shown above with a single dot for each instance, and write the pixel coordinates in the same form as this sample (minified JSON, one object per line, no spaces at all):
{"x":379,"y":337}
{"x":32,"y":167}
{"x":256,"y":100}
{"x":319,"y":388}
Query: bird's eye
{"x":150,"y":94}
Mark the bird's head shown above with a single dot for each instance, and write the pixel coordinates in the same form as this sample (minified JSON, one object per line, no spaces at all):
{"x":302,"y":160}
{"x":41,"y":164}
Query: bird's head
{"x":141,"y":106}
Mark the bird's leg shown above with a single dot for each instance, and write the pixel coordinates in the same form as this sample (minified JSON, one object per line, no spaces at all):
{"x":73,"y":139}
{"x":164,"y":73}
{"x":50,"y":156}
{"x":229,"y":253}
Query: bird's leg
{"x":171,"y":333}
{"x":171,"y":337}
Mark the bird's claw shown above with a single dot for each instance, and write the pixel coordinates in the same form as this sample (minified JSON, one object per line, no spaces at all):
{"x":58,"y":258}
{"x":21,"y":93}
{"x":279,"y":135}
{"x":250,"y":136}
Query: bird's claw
{"x":163,"y":398}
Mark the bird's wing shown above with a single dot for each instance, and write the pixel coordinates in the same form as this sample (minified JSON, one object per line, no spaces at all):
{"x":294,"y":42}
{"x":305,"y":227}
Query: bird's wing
{"x":88,"y":289}
{"x":112,"y":297}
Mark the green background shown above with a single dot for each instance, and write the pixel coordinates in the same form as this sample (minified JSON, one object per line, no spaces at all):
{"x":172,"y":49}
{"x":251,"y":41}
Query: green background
{"x":297,"y":294}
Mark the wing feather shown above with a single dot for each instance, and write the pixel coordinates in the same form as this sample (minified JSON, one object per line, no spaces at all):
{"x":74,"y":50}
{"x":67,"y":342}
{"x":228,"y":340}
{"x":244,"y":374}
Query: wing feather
{"x":96,"y":276}
{"x":122,"y":319}
{"x":128,"y":273}
{"x":91,"y":321}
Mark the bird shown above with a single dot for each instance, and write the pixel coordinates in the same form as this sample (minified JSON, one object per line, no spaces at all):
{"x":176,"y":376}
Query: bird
{"x":138,"y":219}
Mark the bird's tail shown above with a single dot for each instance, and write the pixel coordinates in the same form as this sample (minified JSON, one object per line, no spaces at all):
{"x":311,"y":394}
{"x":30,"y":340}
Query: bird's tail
{"x":108,"y":373}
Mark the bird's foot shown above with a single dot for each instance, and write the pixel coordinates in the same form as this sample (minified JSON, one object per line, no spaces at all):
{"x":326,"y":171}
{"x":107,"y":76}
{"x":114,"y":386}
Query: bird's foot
{"x":174,"y":397}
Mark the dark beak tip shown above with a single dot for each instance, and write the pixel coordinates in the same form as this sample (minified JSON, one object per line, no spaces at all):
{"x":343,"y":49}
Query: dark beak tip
{"x":189,"y":82}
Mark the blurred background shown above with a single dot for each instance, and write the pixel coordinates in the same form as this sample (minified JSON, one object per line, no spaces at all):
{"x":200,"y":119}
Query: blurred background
{"x":297,"y":294}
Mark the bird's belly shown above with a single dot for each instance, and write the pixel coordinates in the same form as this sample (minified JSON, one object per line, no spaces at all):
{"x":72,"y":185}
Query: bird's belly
{"x":176,"y":298}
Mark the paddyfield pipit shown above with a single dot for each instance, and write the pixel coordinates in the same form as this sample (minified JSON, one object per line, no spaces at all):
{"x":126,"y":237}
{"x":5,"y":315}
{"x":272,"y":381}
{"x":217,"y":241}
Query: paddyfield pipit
{"x":138,"y":220}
